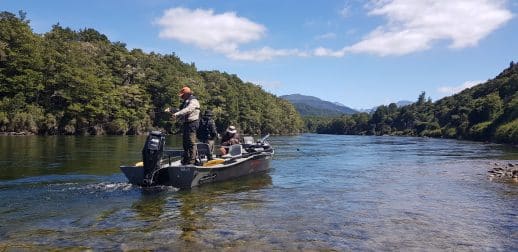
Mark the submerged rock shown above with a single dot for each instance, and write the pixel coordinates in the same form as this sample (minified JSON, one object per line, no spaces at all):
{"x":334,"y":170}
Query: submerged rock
{"x":504,"y":170}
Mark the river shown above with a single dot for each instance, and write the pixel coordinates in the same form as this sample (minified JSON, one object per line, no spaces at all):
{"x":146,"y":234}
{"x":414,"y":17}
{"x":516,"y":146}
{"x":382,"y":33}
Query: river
{"x":323,"y":193}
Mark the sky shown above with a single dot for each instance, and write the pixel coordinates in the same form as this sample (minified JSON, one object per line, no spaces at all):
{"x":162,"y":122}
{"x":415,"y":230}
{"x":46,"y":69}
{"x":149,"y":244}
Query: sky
{"x":361,"y":53}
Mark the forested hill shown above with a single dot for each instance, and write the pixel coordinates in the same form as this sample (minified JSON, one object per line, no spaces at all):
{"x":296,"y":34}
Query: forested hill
{"x":79,"y":82}
{"x":485,"y":112}
{"x":313,"y":106}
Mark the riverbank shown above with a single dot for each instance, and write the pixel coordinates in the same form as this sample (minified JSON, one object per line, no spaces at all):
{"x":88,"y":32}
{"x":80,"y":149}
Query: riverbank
{"x":13,"y":133}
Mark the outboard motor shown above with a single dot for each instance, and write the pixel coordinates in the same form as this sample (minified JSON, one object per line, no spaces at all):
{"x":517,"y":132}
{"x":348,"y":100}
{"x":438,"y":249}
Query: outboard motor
{"x":152,"y":154}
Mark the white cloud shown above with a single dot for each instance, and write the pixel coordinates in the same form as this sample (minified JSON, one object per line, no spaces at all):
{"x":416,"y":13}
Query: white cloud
{"x":415,"y":25}
{"x":268,"y":85}
{"x":325,"y":52}
{"x":411,"y":26}
{"x":222,"y":33}
{"x":446,"y":90}
{"x":265,"y":53}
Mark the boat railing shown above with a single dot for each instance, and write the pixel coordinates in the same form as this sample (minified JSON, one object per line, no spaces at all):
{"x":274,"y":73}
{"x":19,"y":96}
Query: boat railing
{"x":173,"y":152}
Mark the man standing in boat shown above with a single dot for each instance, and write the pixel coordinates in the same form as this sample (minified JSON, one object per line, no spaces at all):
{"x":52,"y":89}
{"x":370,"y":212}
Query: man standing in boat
{"x":189,"y":114}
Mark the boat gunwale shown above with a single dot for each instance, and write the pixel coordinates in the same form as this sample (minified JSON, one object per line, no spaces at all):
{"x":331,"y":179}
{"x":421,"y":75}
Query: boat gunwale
{"x":219,"y":166}
{"x":166,"y":164}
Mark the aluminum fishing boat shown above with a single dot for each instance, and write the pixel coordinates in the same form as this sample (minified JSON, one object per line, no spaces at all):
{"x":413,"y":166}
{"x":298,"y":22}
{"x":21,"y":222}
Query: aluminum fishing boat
{"x":161,"y":166}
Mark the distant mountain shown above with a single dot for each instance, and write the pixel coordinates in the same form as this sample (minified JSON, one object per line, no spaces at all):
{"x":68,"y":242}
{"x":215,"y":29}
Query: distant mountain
{"x":313,"y":106}
{"x":366,"y":110}
{"x":403,"y":103}
{"x":399,"y":104}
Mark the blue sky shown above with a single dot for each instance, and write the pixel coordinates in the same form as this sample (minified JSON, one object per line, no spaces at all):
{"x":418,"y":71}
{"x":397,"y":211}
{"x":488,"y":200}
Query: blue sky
{"x":361,"y":53}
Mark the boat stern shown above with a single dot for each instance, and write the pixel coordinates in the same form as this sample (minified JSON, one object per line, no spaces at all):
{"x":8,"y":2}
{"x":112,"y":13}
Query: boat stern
{"x":134,"y":174}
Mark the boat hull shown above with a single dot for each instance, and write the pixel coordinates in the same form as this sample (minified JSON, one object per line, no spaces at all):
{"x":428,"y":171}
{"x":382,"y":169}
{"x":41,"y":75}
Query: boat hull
{"x":188,"y":176}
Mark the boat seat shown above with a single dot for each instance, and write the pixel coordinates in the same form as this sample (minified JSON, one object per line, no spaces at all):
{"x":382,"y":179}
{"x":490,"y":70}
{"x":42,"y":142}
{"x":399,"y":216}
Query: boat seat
{"x":203,"y":151}
{"x":235,"y":150}
{"x":248,"y":140}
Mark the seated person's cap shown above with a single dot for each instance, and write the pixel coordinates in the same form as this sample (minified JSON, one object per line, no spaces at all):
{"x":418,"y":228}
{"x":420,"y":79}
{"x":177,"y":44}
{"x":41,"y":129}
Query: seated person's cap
{"x":231,"y":129}
{"x":207,"y":113}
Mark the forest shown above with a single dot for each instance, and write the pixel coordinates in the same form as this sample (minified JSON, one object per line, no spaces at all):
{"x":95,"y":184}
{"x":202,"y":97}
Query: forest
{"x":81,"y":83}
{"x":485,"y":112}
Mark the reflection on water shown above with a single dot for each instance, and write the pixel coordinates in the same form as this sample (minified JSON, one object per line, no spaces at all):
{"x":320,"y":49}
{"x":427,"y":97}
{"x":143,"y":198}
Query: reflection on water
{"x":38,"y":155}
{"x":323,"y":193}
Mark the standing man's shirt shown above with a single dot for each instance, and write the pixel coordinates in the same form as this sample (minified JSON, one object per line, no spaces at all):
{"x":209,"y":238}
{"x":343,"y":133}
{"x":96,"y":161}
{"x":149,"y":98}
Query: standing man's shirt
{"x":190,"y":110}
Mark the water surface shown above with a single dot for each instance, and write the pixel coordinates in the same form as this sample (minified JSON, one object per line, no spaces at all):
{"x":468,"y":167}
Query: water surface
{"x":323,"y":192}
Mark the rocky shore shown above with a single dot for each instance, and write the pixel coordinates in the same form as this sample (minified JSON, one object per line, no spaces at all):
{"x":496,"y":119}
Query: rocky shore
{"x":507,"y":170}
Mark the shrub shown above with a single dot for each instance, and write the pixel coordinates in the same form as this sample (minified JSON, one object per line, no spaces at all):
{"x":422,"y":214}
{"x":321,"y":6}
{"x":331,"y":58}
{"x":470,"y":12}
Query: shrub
{"x":508,"y":133}
{"x":4,"y":121}
{"x":480,"y":131}
{"x":117,"y":127}
{"x":49,"y":125}
{"x":70,"y":128}
{"x":23,"y":121}
{"x":449,"y":132}
{"x":138,"y":126}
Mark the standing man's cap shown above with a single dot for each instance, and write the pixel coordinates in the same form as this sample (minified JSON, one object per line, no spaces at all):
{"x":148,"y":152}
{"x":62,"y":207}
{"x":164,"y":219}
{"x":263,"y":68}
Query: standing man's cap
{"x":185,"y":90}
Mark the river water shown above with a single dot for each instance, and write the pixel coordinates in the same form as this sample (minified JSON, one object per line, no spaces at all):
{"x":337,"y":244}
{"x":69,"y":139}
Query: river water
{"x":323,"y":193}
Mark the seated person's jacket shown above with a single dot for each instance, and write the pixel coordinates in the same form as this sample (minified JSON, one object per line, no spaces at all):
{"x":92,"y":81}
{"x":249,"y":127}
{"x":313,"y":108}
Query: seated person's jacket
{"x":229,"y":139}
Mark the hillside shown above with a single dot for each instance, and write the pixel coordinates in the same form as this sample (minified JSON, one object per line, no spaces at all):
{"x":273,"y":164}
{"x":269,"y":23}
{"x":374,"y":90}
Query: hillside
{"x":80,"y":82}
{"x":485,"y":112}
{"x":313,"y":106}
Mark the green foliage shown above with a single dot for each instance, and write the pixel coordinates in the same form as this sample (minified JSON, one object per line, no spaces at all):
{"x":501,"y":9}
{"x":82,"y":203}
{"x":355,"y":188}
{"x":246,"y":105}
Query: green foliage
{"x":49,"y":125}
{"x":486,"y":108}
{"x":480,"y":131}
{"x":4,"y":121}
{"x":79,"y":82}
{"x":117,"y":127}
{"x":247,"y":106}
{"x":508,"y":133}
{"x":23,"y":121}
{"x":450,"y":132}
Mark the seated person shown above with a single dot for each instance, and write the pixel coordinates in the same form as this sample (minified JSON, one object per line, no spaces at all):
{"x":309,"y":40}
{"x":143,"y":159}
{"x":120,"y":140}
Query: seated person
{"x":230,"y":137}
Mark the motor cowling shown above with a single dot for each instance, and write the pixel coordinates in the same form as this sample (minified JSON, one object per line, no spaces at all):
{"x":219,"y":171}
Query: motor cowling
{"x":152,"y":155}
